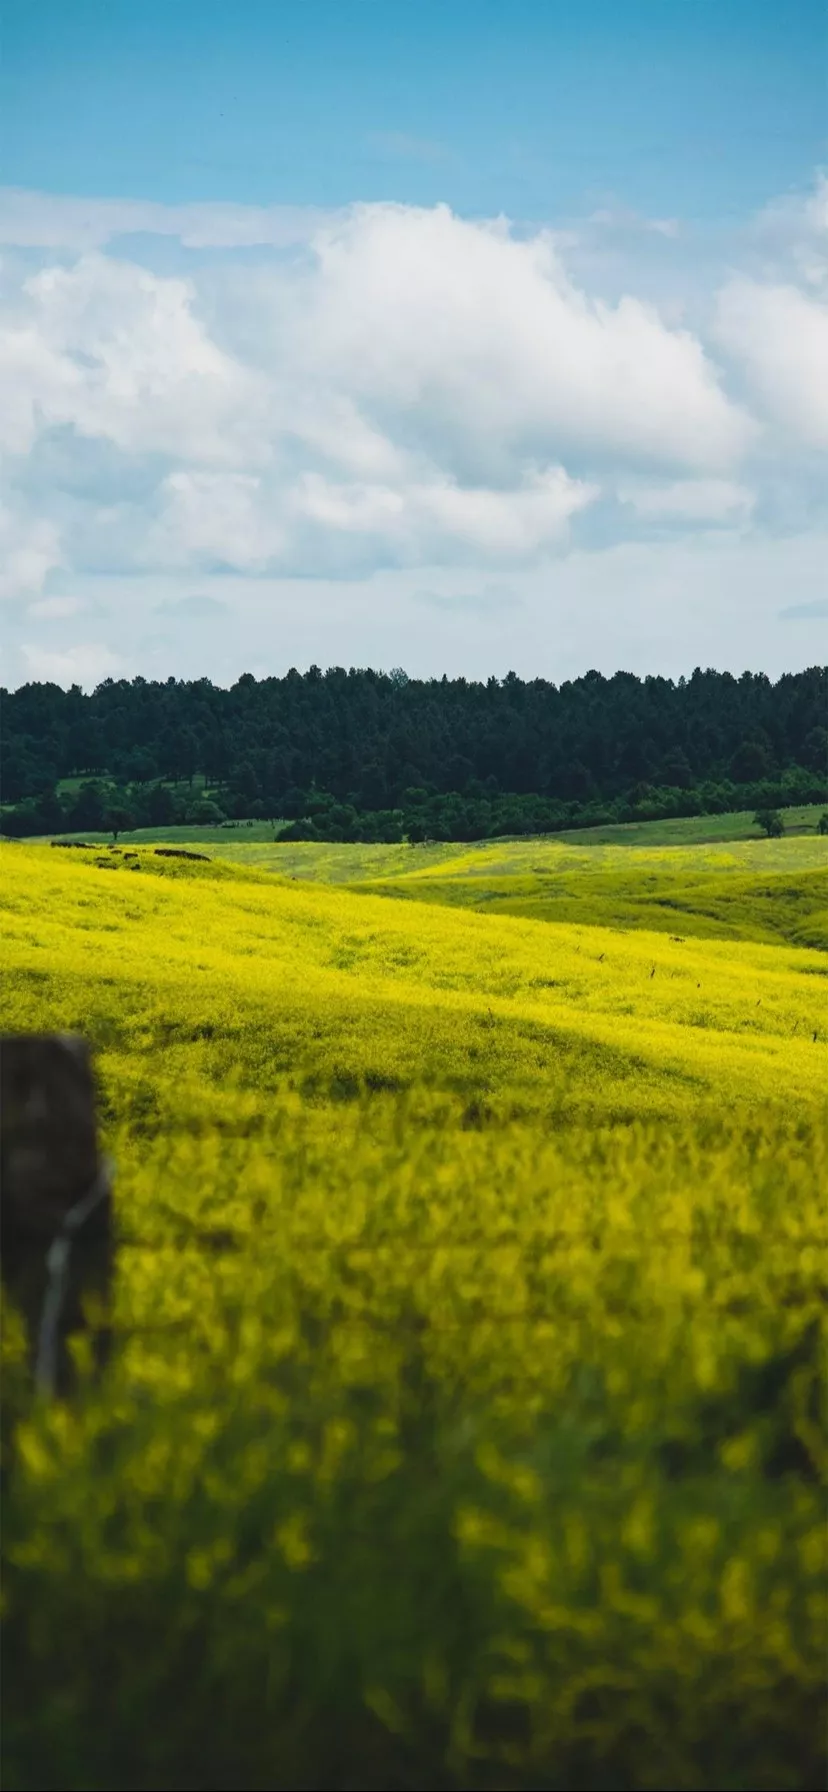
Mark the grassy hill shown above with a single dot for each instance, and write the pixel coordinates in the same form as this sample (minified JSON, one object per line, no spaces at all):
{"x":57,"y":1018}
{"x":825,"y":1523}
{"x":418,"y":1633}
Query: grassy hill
{"x":411,"y":989}
{"x":465,"y":1427}
{"x":749,"y":894}
{"x":745,"y":888}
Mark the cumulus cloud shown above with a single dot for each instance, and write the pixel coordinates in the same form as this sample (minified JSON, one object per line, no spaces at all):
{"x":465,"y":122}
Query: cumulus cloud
{"x":85,"y":664}
{"x":236,"y":520}
{"x":427,"y":515}
{"x":118,"y":353}
{"x":772,"y":320}
{"x":779,"y":336}
{"x":476,"y":341}
{"x":392,"y":387}
{"x":396,"y":331}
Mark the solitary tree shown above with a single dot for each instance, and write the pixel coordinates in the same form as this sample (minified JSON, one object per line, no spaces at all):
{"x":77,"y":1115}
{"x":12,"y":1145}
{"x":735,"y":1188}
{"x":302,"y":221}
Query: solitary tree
{"x":771,"y":821}
{"x":120,"y":819}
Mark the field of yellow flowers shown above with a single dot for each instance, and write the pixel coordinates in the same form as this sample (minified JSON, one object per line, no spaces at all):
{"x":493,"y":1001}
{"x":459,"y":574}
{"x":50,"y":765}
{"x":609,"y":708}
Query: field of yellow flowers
{"x":466,"y":1425}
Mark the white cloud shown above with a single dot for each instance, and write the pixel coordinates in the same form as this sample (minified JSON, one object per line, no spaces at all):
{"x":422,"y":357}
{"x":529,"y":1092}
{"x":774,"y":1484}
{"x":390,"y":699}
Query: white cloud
{"x":210,"y":518}
{"x":33,"y":380}
{"x":690,"y":501}
{"x":29,"y":549}
{"x":779,"y":335}
{"x":234,"y":519}
{"x":329,"y":424}
{"x":773,"y":320}
{"x":389,"y":388}
{"x":85,"y":664}
{"x":401,"y":338}
{"x":425,"y":516}
{"x":119,"y":353}
{"x":478,"y":345}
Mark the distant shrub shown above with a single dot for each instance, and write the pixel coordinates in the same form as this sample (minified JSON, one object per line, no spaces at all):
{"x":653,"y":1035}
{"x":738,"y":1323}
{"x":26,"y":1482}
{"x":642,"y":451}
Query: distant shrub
{"x":205,"y":813}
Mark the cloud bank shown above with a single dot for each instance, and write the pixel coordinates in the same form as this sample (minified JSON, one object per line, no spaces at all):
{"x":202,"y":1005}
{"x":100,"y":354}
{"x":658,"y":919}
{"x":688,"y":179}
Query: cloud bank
{"x":386,"y":388}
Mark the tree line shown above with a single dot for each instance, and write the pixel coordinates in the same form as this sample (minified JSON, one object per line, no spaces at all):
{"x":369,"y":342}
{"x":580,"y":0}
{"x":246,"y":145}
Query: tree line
{"x":361,"y":754}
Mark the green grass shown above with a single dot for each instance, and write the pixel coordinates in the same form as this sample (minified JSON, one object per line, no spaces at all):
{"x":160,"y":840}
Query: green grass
{"x":230,"y":834}
{"x":770,"y":905}
{"x":696,"y":829}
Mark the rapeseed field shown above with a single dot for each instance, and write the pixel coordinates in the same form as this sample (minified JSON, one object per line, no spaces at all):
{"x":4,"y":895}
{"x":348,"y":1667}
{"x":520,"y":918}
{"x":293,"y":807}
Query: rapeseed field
{"x":740,"y":894}
{"x":466,"y":1425}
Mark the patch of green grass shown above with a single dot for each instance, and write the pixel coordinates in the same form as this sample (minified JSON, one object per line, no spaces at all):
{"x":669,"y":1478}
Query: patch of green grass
{"x":701,"y":829}
{"x":228,"y":834}
{"x":772,"y":906}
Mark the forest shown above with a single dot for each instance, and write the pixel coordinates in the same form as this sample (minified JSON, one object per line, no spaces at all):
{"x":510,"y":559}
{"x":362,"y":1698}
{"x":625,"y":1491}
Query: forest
{"x":369,"y":755}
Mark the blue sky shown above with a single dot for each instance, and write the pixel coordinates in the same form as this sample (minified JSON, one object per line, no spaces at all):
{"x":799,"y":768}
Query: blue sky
{"x":524,"y":106}
{"x":448,"y":335}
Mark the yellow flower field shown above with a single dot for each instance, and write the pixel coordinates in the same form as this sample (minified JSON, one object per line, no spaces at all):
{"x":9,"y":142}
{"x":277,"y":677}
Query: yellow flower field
{"x":466,"y":1425}
{"x":364,"y":988}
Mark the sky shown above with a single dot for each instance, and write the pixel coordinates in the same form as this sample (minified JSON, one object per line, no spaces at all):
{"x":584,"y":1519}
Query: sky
{"x":459,"y":337}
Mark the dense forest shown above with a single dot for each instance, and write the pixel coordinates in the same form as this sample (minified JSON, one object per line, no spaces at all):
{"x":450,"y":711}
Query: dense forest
{"x":371,"y":755}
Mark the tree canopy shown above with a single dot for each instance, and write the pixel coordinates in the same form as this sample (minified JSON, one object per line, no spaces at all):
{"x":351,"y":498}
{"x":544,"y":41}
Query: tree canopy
{"x":383,"y":744}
